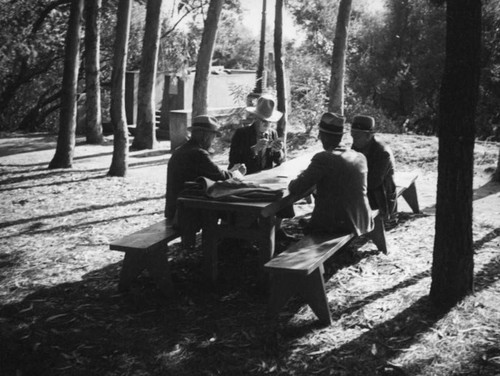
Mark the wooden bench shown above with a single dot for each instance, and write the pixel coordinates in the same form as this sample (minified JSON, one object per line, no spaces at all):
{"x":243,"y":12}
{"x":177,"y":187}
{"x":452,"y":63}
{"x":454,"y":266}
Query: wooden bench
{"x":299,"y":270}
{"x":145,"y":250}
{"x":406,"y":187}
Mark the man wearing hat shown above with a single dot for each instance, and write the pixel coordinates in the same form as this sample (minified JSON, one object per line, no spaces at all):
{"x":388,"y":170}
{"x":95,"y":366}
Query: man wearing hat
{"x":192,"y":160}
{"x":381,"y":185}
{"x":257,"y":145}
{"x":340,"y":176}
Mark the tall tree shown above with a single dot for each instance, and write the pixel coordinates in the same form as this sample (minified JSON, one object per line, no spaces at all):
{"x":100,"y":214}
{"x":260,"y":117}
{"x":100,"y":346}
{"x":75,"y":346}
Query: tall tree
{"x":453,"y":263}
{"x":496,"y":175}
{"x":93,"y":128}
{"x":279,"y":63}
{"x":119,"y":163}
{"x":336,"y":101}
{"x":262,"y":51}
{"x":145,"y":133}
{"x":204,"y":61}
{"x":63,"y":157}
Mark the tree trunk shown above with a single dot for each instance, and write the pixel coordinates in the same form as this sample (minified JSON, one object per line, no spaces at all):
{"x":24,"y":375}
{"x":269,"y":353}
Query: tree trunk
{"x":63,"y":157}
{"x":92,"y":72}
{"x":262,"y":51}
{"x":496,"y":175}
{"x":145,"y":133}
{"x":281,"y":89}
{"x":453,"y":263}
{"x":119,"y":163}
{"x":204,"y":61}
{"x":336,"y":92}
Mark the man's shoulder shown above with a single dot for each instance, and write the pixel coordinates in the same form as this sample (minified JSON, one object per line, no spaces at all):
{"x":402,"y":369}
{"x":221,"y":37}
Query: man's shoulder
{"x":189,"y":148}
{"x":381,"y":146}
{"x":246,"y":129}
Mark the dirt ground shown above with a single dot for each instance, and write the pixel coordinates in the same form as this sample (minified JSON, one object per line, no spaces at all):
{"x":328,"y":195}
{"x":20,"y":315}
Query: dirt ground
{"x":58,"y":278}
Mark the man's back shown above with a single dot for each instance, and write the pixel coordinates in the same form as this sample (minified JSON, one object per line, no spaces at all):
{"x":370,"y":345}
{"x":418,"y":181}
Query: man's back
{"x":341,"y":203}
{"x":381,"y":185}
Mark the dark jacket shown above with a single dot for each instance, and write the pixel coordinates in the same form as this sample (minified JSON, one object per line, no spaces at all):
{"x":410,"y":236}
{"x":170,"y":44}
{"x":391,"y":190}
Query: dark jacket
{"x":241,"y":152}
{"x":381,"y":185}
{"x":188,"y":162}
{"x":341,"y":204}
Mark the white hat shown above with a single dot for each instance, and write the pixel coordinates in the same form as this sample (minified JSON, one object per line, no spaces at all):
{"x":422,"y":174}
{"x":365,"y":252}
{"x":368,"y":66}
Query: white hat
{"x":265,"y":109}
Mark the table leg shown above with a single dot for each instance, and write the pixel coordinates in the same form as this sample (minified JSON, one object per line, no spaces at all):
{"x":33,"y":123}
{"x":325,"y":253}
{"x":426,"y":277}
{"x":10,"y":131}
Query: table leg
{"x":209,"y":244}
{"x":268,"y":227}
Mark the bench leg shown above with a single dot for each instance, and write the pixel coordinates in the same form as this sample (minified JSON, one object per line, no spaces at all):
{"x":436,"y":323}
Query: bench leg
{"x":133,"y":265}
{"x":266,"y":251}
{"x":209,"y":245}
{"x":313,"y":291}
{"x":410,"y":196}
{"x":377,"y":235}
{"x":311,"y":288}
{"x":159,"y":269}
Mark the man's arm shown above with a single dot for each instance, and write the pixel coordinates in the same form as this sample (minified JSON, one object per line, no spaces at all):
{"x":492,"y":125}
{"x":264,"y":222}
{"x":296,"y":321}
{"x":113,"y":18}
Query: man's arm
{"x":208,"y":169}
{"x":308,"y":178}
{"x":379,"y":166}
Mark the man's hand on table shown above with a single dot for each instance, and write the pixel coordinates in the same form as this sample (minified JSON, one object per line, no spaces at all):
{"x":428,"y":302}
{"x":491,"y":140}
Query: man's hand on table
{"x":238,"y":170}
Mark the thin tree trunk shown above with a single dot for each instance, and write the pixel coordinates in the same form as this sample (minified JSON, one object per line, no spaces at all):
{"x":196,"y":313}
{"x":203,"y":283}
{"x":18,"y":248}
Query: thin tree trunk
{"x":453,"y":263}
{"x":63,"y":157}
{"x":281,"y":88}
{"x":262,"y":51}
{"x":145,"y":136}
{"x":119,"y":163}
{"x":92,"y":72}
{"x":204,"y":61}
{"x":496,"y":175}
{"x":336,"y":102}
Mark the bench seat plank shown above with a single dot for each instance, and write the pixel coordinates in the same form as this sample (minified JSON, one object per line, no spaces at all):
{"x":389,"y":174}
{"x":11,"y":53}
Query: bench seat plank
{"x":145,"y":250}
{"x":299,"y":270}
{"x":306,"y":255}
{"x":155,"y":236}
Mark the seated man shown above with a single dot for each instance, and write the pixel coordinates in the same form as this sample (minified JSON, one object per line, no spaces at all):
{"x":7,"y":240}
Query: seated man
{"x":381,"y":185}
{"x":192,"y":160}
{"x":257,"y":145}
{"x":341,"y":203}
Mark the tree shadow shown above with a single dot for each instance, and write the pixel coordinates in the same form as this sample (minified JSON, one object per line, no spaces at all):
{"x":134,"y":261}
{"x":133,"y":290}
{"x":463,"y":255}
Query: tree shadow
{"x":77,"y":210}
{"x":87,"y":327}
{"x":398,"y":333}
{"x":488,"y":189}
{"x":55,"y":172}
{"x":62,"y":182}
{"x":37,"y":142}
{"x":33,"y":230}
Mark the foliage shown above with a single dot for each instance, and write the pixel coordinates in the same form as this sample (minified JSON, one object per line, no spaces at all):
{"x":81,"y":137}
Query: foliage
{"x":309,"y":86}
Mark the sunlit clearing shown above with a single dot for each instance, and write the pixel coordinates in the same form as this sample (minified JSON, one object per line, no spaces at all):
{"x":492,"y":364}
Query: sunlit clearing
{"x":375,"y":6}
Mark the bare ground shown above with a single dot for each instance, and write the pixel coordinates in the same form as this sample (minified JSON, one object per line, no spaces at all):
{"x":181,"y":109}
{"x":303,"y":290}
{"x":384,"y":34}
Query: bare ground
{"x":61,"y":314}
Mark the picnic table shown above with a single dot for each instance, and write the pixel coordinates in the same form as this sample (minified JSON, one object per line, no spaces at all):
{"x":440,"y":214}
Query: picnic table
{"x":261,"y":215}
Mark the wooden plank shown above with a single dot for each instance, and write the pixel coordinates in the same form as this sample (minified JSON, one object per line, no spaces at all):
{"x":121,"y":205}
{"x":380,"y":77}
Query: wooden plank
{"x":309,"y":253}
{"x":148,"y":238}
{"x":404,"y":181}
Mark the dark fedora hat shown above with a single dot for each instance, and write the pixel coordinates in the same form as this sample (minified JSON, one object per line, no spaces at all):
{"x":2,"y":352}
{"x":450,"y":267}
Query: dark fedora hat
{"x":332,"y":123}
{"x":363,"y":123}
{"x":205,"y":123}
